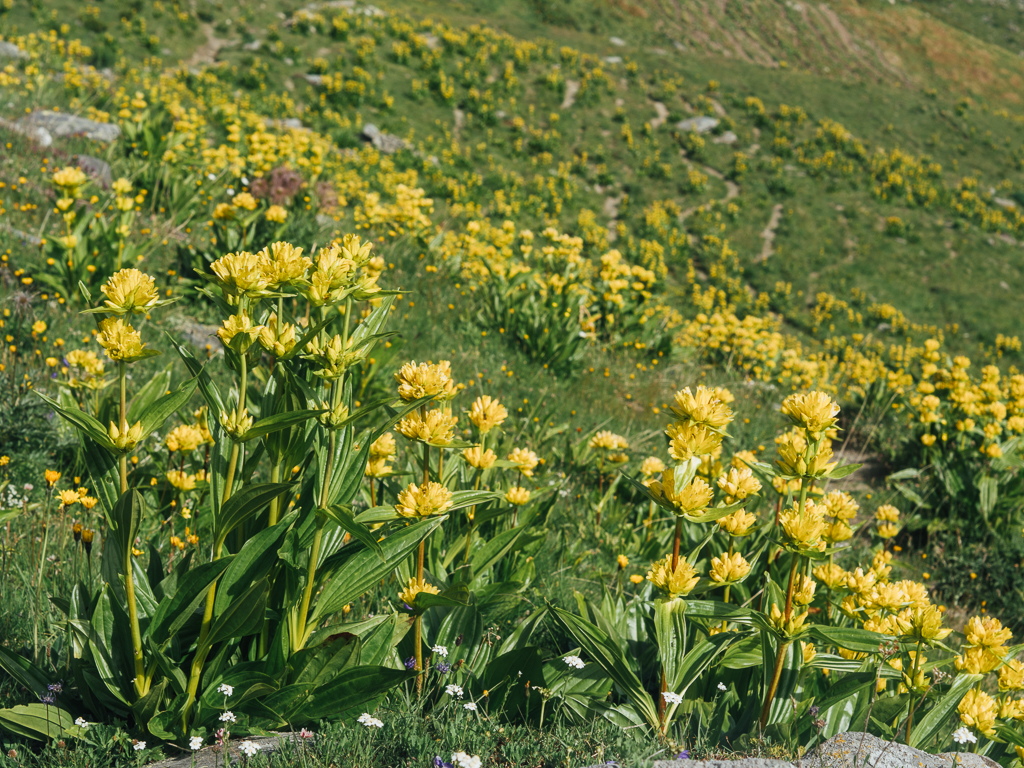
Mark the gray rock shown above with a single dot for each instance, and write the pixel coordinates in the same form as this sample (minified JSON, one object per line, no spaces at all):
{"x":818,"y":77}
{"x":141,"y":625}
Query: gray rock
{"x":98,"y":170}
{"x":62,"y":124}
{"x":208,"y":757}
{"x":38,"y":134}
{"x":862,"y":750}
{"x":383,"y":142}
{"x":746,"y":762}
{"x":1003,"y":202}
{"x":701,"y":124}
{"x":726,"y":138}
{"x":612,"y":59}
{"x":291,"y":122}
{"x":617,"y":41}
{"x":679,"y":46}
{"x":315,"y":80}
{"x":11,"y":51}
{"x":253,"y":46}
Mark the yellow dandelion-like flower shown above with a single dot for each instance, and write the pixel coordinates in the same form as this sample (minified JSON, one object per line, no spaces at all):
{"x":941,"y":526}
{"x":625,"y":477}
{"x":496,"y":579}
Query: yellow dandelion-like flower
{"x":674,"y":583}
{"x":486,"y":413}
{"x":702,"y":407}
{"x":517,"y":495}
{"x":692,"y":439}
{"x":239,"y":332}
{"x":978,"y":711}
{"x":277,"y":214}
{"x":738,"y":523}
{"x":415,"y":587}
{"x":423,"y":501}
{"x":119,"y":339}
{"x":525,"y":460}
{"x":814,"y":411}
{"x":416,"y":381}
{"x":727,"y":568}
{"x":651,"y":466}
{"x":478,"y":458}
{"x":130,"y":290}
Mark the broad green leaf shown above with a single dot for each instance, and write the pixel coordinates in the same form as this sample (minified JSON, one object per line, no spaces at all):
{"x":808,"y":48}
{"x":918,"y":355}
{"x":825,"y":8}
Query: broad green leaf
{"x":156,"y":414}
{"x":342,"y":515}
{"x":352,"y":692}
{"x":251,"y":563}
{"x":242,"y":617}
{"x":81,"y":420}
{"x":938,"y":717}
{"x":453,"y":597}
{"x":242,"y":505}
{"x":852,"y":639}
{"x":150,"y":392}
{"x":38,"y":722}
{"x":125,"y":518}
{"x":277,"y":422}
{"x":173,"y":613}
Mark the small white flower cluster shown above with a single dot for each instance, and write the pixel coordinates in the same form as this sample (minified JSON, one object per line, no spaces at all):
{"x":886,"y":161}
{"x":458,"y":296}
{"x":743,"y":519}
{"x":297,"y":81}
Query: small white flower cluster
{"x":138,"y":746}
{"x":454,"y":690}
{"x":721,"y":687}
{"x":471,"y":706}
{"x":226,"y":689}
{"x":963,"y":734}
{"x":440,"y":650}
{"x":227,"y":717}
{"x":575,"y":662}
{"x":672,"y":698}
{"x":369,"y":721}
{"x":195,"y":743}
{"x":82,"y":723}
{"x":462,"y":760}
{"x":249,"y":748}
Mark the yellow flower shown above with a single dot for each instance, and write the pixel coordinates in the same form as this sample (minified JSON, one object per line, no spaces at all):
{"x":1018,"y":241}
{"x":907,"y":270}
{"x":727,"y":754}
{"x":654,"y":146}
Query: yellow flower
{"x":383,"y":446}
{"x":622,"y":561}
{"x":88,"y":501}
{"x":804,"y":531}
{"x":608,"y":441}
{"x":928,"y":439}
{"x":652,"y":465}
{"x":486,"y":413}
{"x":888,"y":513}
{"x":838,"y":531}
{"x":860,"y":582}
{"x":525,"y":460}
{"x":808,"y":652}
{"x":122,"y":186}
{"x":283,"y":263}
{"x":987,"y":632}
{"x":334,"y":356}
{"x":127,"y":440}
{"x":980,"y":661}
{"x":738,"y":523}
{"x":223,"y":212}
{"x":794,"y":626}
{"x":831,"y":575}
{"x":739,"y":484}
{"x":437,"y":428}
{"x":278,"y":341}
{"x":185,"y":438}
{"x":244,"y":200}
{"x":68,"y":241}
{"x":236,"y":423}
{"x":4,"y":461}
{"x":70,"y":178}
{"x":478,"y":458}
{"x":690,"y":439}
{"x":377,"y":466}
{"x":840,"y":504}
{"x":68,"y":498}
{"x":238,"y":332}
{"x":793,"y":462}
{"x":674,"y":583}
{"x":240,"y":274}
{"x":702,"y":407}
{"x":119,"y":339}
{"x":691,"y":500}
{"x":636,"y":578}
{"x":425,"y":380}
{"x":887,"y":530}
{"x":813,"y":411}
{"x":517,"y":495}
{"x":728,"y":568}
{"x":1011,"y":676}
{"x":181,"y":480}
{"x":333,"y":417}
{"x":978,"y":711}
{"x":803,"y":592}
{"x":38,"y":327}
{"x":414,"y":587}
{"x":423,"y":501}
{"x":276,"y":214}
{"x":130,"y":291}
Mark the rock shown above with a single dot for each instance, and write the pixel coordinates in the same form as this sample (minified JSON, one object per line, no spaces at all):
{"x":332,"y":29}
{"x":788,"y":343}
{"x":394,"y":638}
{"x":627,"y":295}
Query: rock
{"x":745,"y":762}
{"x":432,"y":41}
{"x":1003,"y":202}
{"x":679,"y":46}
{"x":253,"y":46}
{"x":726,"y":138}
{"x":98,"y":170}
{"x":209,"y":757}
{"x":291,"y":122}
{"x":62,"y":124}
{"x":289,"y":60}
{"x":315,"y":80}
{"x":38,"y":134}
{"x":700,"y":124}
{"x":11,"y":51}
{"x":23,"y":236}
{"x":383,"y":142}
{"x":855,"y":750}
{"x":612,"y":59}
{"x":617,"y":41}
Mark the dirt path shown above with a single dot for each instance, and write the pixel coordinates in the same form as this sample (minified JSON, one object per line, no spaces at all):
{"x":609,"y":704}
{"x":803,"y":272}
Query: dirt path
{"x":572,"y":87}
{"x":768,"y":235}
{"x":207,"y":52}
{"x":459,"y":121}
{"x":732,"y":189}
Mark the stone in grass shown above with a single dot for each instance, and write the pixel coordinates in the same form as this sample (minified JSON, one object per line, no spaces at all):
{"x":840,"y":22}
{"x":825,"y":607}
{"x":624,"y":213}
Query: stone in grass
{"x":700,"y":124}
{"x":213,"y":757}
{"x":384,"y":142}
{"x":11,"y":51}
{"x":743,"y":762}
{"x":61,"y":124}
{"x":855,"y":750}
{"x":96,"y":169}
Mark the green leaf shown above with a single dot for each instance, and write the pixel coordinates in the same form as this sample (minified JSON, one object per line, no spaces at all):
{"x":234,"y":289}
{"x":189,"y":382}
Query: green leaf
{"x":495,"y":549}
{"x":243,"y":617}
{"x":860,"y":640}
{"x":353,"y":691}
{"x":462,"y":499}
{"x":453,"y":597}
{"x":81,"y":420}
{"x":244,"y":504}
{"x":253,"y":561}
{"x":156,"y":414}
{"x":364,"y":569}
{"x":342,"y":515}
{"x":609,"y":656}
{"x":928,"y":727}
{"x":125,"y":518}
{"x":24,"y":672}
{"x":840,"y":472}
{"x":38,"y":722}
{"x":211,"y":394}
{"x":153,"y":389}
{"x":277,"y":422}
{"x":173,"y":613}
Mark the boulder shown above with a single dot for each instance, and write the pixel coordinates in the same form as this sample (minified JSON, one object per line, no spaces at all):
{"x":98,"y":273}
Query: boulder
{"x":726,"y":138}
{"x":315,"y":80}
{"x":855,"y":750}
{"x":383,"y":142}
{"x":743,"y":762}
{"x":61,"y":124}
{"x":700,"y":124}
{"x":96,"y":169}
{"x":617,"y":41}
{"x":11,"y":51}
{"x":38,"y":134}
{"x":612,"y":59}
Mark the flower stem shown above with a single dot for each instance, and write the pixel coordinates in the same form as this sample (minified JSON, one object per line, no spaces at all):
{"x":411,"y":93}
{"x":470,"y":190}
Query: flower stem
{"x":774,"y":685}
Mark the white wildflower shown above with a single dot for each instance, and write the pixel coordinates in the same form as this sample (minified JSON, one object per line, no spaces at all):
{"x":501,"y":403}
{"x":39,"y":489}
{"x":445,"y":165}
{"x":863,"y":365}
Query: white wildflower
{"x":454,"y":690}
{"x":963,"y":734}
{"x":574,"y":661}
{"x":672,"y":698}
{"x":369,"y":721}
{"x":249,"y":748}
{"x":195,"y":743}
{"x":440,"y":650}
